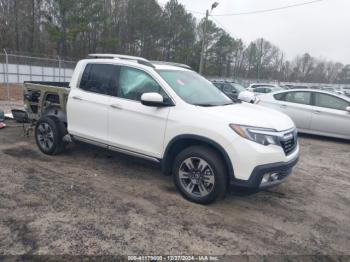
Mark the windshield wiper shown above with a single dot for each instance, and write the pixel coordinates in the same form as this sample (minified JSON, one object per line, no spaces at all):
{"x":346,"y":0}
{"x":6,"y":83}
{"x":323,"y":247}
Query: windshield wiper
{"x":205,"y":105}
{"x":210,"y":105}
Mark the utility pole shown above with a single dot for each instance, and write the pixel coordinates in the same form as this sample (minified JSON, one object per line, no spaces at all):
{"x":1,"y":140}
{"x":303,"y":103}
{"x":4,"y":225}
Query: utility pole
{"x":201,"y":63}
{"x":260,"y":57}
{"x":203,"y":42}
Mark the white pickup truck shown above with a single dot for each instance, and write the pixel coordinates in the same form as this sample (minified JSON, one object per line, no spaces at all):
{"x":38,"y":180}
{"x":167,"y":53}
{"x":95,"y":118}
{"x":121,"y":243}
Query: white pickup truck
{"x":168,"y":114}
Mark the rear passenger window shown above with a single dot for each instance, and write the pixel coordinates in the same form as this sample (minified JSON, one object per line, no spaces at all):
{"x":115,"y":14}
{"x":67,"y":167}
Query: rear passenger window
{"x":100,"y":78}
{"x":298,"y":98}
{"x":328,"y":101}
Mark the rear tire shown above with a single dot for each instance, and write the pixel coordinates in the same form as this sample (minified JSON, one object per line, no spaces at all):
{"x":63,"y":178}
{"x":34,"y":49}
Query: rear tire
{"x":49,"y":134}
{"x":199,"y":174}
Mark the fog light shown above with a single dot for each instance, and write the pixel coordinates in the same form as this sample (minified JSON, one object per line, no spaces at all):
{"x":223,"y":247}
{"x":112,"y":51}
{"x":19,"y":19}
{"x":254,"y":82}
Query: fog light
{"x":274,"y":176}
{"x":265,"y":179}
{"x":269,"y":177}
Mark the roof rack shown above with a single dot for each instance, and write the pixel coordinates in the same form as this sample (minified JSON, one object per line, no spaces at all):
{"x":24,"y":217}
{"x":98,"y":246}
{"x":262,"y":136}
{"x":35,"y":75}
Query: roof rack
{"x":139,"y":60}
{"x":171,"y":63}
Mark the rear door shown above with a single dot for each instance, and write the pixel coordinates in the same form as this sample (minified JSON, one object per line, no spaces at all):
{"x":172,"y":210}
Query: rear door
{"x":330,"y":116}
{"x":88,"y":104}
{"x":133,"y":126}
{"x":297,"y":105}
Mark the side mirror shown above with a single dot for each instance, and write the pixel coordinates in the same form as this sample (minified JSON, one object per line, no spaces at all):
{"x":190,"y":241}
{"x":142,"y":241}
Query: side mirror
{"x":154,"y":100}
{"x":348,"y":109}
{"x":247,"y":96}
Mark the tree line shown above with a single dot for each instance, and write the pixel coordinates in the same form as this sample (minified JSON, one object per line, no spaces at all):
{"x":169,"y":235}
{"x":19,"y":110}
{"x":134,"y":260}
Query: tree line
{"x":74,"y":28}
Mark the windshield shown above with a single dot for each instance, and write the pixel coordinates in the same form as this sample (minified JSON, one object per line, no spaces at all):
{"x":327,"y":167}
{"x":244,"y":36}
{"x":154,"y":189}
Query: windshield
{"x":261,"y":85}
{"x":194,"y":89}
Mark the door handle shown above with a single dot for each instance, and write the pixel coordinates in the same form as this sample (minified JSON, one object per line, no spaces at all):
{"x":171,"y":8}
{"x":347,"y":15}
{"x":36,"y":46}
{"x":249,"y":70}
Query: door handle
{"x":116,"y":106}
{"x":77,"y":98}
{"x":283,"y":106}
{"x":317,"y":112}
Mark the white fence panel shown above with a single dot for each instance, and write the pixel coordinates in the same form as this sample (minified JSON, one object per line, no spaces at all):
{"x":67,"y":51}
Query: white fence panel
{"x":19,"y":73}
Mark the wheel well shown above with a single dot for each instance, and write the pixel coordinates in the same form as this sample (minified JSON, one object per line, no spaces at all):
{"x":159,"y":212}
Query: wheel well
{"x":59,"y":121}
{"x":56,"y":112}
{"x":179,"y":144}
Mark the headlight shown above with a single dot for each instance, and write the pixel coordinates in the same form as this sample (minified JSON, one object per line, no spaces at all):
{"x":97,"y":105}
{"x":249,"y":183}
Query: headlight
{"x":259,"y":135}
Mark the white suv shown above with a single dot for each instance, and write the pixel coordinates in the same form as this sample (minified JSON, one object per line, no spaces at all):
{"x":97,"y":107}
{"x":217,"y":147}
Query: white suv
{"x":171,"y":115}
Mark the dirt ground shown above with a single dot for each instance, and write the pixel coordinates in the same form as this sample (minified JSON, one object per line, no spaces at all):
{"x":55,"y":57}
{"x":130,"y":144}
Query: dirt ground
{"x":89,"y":201}
{"x":14,"y":91}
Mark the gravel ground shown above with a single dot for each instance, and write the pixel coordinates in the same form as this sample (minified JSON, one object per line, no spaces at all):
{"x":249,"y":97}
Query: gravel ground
{"x":88,"y":201}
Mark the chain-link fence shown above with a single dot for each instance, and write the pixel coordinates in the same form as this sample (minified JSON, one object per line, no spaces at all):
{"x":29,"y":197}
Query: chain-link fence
{"x":17,"y":68}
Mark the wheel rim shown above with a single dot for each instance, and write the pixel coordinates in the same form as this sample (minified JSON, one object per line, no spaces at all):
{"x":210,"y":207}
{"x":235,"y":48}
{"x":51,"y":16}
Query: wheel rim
{"x":45,"y":136}
{"x":196,"y":177}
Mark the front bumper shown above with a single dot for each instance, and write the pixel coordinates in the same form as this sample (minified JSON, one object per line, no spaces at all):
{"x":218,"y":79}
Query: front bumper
{"x":281,"y":169}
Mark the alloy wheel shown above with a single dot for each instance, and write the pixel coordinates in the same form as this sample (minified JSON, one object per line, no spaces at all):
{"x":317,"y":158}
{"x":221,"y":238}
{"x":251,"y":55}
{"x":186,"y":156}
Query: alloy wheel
{"x":45,"y":136}
{"x":196,"y":177}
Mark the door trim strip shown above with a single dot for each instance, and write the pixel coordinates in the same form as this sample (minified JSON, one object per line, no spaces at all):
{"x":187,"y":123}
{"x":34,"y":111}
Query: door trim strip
{"x":116,"y":149}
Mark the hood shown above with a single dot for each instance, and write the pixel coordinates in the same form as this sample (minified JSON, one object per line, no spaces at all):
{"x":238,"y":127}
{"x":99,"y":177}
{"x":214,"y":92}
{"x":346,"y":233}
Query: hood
{"x":250,"y":115}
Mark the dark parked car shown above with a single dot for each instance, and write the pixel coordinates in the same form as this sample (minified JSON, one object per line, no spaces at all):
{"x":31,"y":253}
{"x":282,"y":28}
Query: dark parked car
{"x":231,"y":89}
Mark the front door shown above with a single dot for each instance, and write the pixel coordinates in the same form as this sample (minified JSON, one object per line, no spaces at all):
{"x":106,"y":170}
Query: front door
{"x":330,"y":115}
{"x":297,"y":105}
{"x":133,"y":126}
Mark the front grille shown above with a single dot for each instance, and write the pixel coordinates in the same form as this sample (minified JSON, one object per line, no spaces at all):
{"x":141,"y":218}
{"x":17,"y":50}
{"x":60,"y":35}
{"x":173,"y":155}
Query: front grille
{"x":289,"y":142}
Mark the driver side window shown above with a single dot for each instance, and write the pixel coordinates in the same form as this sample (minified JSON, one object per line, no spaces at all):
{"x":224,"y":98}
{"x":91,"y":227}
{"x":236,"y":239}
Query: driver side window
{"x":298,"y":98}
{"x":260,"y":90}
{"x":134,"y":82}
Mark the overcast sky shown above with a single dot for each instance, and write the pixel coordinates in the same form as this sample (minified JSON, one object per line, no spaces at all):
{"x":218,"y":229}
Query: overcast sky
{"x":322,"y":28}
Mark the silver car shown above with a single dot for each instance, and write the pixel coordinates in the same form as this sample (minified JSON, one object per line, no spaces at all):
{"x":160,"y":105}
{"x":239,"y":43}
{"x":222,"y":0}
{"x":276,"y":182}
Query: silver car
{"x":313,"y":111}
{"x":268,"y":89}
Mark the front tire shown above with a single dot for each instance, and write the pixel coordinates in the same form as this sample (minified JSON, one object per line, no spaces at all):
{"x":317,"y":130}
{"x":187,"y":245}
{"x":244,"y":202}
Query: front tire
{"x":49,"y":133}
{"x":199,"y":174}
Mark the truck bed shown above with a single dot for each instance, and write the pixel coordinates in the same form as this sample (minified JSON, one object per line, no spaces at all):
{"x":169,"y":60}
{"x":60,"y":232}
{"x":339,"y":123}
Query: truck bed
{"x":38,"y":96}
